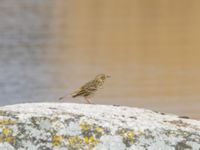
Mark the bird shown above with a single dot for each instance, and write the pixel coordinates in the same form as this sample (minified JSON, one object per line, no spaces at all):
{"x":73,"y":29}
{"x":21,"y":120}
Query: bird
{"x":90,"y":88}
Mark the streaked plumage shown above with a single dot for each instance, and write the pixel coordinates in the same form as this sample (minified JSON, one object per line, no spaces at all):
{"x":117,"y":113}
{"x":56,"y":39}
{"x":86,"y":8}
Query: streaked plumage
{"x":89,"y":89}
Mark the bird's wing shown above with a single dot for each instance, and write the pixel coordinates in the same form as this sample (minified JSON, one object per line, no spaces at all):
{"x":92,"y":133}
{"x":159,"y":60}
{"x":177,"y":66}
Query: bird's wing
{"x":90,"y":86}
{"x":86,"y":89}
{"x":77,"y":92}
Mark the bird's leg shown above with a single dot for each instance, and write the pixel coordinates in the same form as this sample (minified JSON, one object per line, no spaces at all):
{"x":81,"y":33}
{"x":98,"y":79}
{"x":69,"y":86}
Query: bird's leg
{"x":88,"y":100}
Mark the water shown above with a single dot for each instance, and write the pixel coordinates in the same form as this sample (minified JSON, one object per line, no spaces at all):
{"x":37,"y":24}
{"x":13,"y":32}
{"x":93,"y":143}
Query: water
{"x":151,"y":50}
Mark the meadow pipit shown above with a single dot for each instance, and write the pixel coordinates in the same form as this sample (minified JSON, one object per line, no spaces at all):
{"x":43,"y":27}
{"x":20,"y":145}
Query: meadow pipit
{"x":88,"y":90}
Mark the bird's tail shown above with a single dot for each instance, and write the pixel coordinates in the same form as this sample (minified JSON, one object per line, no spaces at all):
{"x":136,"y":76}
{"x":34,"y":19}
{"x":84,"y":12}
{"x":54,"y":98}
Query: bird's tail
{"x":61,"y":98}
{"x":76,"y":93}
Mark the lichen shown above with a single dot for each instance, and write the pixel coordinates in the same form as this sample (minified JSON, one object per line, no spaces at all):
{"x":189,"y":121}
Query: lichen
{"x":66,"y":126}
{"x":79,"y":142}
{"x":92,"y":141}
{"x":6,"y":136}
{"x":56,"y":140}
{"x":96,"y":130}
{"x":182,"y":146}
{"x":7,"y":122}
{"x":127,"y":135}
{"x":9,"y":114}
{"x":92,"y":133}
{"x":87,"y":139}
{"x":74,"y":142}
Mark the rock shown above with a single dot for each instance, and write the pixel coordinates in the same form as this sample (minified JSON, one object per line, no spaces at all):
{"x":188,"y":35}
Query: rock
{"x":67,"y":126}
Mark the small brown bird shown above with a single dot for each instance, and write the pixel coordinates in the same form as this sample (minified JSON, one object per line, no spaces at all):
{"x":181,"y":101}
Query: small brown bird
{"x":88,"y":90}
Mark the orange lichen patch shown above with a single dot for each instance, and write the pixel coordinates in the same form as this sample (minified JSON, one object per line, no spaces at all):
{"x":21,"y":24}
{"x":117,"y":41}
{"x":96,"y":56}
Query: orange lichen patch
{"x":56,"y":140}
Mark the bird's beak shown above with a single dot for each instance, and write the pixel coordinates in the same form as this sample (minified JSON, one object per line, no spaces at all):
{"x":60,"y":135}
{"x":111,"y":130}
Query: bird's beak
{"x":108,"y":76}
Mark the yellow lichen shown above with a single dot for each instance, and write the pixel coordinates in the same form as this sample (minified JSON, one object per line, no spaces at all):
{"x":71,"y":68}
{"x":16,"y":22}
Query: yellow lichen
{"x":10,"y":139}
{"x":130,"y":135}
{"x":90,"y":140}
{"x":74,"y":140}
{"x":1,"y":139}
{"x":6,"y":136}
{"x":100,"y":130}
{"x":7,"y":122}
{"x":56,"y":140}
{"x":127,"y":135}
{"x":85,"y":126}
{"x":6,"y":131}
{"x":91,"y":134}
{"x":86,"y":139}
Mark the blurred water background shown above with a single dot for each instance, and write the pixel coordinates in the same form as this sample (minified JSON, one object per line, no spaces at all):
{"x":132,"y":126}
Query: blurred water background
{"x":150,"y":48}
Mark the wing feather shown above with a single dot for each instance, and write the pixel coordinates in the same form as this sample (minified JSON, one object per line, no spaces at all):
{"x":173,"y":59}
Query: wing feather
{"x":85,"y":90}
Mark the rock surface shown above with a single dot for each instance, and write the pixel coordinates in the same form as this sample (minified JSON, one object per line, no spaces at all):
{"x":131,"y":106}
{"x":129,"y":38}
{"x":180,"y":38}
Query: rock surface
{"x":67,"y":126}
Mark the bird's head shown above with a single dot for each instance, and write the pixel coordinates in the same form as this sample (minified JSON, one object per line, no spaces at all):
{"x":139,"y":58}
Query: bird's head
{"x":102,"y":77}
